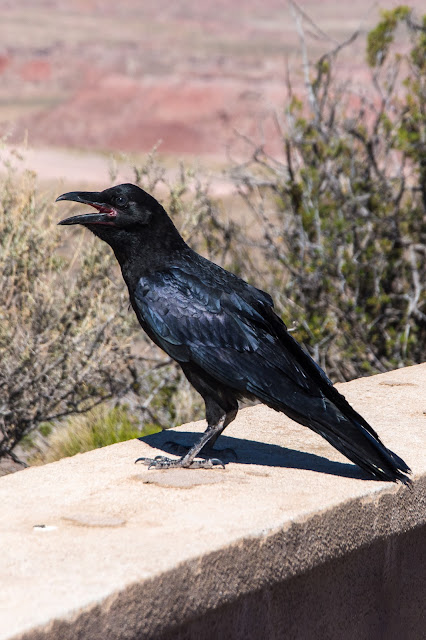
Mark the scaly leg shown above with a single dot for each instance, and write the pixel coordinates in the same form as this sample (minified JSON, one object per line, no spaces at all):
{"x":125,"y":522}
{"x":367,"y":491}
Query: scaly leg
{"x":188,"y":461}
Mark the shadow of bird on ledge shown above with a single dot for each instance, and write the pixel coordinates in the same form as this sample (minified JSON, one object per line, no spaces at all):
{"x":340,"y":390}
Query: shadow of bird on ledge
{"x":244,"y":451}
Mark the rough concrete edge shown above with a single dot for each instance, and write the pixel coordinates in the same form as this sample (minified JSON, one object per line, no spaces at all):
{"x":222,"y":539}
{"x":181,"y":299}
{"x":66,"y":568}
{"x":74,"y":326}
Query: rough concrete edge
{"x":150,"y":608}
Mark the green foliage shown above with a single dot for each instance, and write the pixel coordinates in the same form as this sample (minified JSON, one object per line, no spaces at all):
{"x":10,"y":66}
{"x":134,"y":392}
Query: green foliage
{"x":409,"y":133}
{"x":99,"y":427}
{"x":381,"y":37}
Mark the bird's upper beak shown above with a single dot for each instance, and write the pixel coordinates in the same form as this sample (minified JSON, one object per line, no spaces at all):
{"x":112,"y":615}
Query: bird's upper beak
{"x":106,"y":214}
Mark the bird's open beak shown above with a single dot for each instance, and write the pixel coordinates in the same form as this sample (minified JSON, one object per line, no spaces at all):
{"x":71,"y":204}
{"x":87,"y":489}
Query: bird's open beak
{"x":105,"y":213}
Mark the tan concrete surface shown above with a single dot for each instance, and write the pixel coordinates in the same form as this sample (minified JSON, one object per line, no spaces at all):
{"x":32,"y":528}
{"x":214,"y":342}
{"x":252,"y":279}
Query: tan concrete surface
{"x":95,"y":546}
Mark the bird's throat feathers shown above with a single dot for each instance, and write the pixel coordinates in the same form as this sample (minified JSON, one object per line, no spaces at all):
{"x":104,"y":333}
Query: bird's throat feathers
{"x":144,"y":248}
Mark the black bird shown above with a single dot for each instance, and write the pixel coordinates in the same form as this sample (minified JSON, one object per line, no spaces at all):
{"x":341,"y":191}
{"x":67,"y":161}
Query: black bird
{"x":223,"y":332}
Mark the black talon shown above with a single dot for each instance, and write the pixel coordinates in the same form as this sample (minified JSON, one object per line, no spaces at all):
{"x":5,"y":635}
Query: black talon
{"x":217,"y":463}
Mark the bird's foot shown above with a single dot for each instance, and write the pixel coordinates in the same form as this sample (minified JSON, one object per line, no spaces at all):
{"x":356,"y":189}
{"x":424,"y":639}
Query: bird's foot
{"x":180,"y":450}
{"x":161,"y":462}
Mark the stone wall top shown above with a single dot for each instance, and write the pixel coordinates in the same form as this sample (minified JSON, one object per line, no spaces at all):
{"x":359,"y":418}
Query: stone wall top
{"x":99,"y":544}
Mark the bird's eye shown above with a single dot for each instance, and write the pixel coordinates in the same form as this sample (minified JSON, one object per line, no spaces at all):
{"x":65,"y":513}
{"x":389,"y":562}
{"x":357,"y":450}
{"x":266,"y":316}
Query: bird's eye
{"x":121,"y":201}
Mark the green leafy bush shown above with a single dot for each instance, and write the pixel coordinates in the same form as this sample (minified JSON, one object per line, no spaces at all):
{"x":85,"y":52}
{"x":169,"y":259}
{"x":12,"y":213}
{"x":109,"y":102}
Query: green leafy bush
{"x":342,"y":218}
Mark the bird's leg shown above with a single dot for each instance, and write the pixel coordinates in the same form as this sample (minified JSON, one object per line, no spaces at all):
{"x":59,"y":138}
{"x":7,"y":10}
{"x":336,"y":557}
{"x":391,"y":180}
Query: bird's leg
{"x":207,"y":451}
{"x":226,"y":455}
{"x":188,"y":460}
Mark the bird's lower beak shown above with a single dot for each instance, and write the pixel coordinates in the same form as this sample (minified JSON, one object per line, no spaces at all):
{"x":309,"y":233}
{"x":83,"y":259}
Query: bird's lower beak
{"x":87,"y":218}
{"x":105,"y":214}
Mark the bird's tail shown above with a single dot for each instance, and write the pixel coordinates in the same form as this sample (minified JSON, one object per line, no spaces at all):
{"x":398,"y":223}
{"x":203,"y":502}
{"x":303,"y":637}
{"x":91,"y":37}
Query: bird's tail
{"x":316,"y":403}
{"x":355,"y":438}
{"x":335,"y":420}
{"x":348,"y":432}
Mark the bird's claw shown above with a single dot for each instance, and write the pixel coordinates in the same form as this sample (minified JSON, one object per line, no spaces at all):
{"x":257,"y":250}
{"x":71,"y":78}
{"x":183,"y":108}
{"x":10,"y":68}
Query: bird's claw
{"x":207,"y":463}
{"x":161,"y":462}
{"x":149,"y":462}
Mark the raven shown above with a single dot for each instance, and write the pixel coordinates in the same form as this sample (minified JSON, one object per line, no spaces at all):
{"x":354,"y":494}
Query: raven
{"x":223,"y":332}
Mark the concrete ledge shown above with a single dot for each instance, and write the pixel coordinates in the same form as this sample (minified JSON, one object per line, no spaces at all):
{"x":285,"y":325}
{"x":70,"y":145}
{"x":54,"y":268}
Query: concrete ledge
{"x":290,"y":541}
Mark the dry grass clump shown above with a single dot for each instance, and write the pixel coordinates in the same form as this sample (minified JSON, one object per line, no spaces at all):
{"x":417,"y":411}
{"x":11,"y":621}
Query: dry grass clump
{"x":99,"y":427}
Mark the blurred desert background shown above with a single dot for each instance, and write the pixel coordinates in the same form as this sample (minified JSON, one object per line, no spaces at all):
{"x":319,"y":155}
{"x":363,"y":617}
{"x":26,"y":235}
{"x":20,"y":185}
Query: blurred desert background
{"x":87,"y":83}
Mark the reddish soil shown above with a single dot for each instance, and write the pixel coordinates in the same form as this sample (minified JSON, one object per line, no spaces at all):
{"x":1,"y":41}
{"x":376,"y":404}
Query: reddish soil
{"x":123,"y":76}
{"x":36,"y":71}
{"x":117,"y":112}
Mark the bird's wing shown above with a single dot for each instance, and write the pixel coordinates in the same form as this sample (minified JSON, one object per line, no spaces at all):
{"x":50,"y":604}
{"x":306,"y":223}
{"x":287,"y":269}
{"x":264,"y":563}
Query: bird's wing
{"x":223,"y":328}
{"x":229,"y":329}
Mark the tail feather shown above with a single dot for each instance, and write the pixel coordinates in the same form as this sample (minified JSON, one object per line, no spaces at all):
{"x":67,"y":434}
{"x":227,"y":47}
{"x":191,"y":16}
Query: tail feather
{"x":332,"y":416}
{"x":357,"y":443}
{"x":344,"y":429}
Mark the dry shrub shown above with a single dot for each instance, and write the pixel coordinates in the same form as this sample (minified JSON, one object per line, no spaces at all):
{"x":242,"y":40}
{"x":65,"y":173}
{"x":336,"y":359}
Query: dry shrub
{"x":64,"y":340}
{"x":68,"y":340}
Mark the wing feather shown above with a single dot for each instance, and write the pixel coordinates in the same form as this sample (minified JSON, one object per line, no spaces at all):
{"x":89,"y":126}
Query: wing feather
{"x":226,"y":332}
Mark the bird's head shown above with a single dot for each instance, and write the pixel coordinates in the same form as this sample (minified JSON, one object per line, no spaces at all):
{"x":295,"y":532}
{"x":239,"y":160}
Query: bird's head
{"x":125,"y":206}
{"x":131,"y":221}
